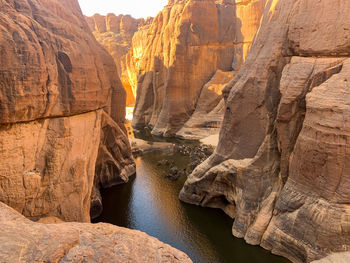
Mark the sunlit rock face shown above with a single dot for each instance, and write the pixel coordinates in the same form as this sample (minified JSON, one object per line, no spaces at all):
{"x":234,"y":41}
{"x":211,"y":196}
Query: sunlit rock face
{"x":26,"y":241}
{"x":57,"y":84}
{"x":131,"y":62}
{"x":174,"y":57}
{"x":115,"y":34}
{"x":281,"y":168}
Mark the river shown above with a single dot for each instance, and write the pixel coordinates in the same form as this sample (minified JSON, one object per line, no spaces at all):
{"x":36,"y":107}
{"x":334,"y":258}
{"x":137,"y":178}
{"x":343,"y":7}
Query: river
{"x":149,"y":202}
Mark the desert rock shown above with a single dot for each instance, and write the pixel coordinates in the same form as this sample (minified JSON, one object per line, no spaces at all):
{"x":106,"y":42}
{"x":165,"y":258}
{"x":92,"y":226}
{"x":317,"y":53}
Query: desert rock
{"x":25,"y":241}
{"x":207,"y":118}
{"x":281,"y":168}
{"x":115,"y":34}
{"x":181,"y":52}
{"x":54,"y":100}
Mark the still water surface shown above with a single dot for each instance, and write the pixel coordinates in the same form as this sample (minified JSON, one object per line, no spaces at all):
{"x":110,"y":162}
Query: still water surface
{"x":149,"y":202}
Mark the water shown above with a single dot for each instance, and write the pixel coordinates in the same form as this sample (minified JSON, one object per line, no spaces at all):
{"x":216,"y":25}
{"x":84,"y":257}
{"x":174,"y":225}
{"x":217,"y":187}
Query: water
{"x":149,"y":202}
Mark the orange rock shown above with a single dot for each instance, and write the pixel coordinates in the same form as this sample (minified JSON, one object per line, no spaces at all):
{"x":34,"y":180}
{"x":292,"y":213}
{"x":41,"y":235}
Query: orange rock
{"x":179,"y":53}
{"x":26,"y":241}
{"x":57,"y":85}
{"x":115,"y":34}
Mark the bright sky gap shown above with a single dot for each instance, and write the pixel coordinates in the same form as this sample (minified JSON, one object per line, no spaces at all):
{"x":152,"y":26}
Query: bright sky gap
{"x":135,"y":8}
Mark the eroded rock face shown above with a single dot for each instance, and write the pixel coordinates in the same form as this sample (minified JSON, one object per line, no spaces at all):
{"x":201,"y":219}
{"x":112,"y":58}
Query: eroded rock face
{"x":281,"y":167}
{"x":57,"y":85}
{"x":48,"y":166}
{"x":181,"y":52}
{"x":115,"y":34}
{"x":25,"y":241}
{"x":207,"y":118}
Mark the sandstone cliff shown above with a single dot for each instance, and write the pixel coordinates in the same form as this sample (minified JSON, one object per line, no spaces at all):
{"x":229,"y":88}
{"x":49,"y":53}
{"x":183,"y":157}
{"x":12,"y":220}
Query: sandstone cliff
{"x":281,"y":167}
{"x":174,"y":57}
{"x":115,"y":34}
{"x":25,"y":241}
{"x":61,"y":103}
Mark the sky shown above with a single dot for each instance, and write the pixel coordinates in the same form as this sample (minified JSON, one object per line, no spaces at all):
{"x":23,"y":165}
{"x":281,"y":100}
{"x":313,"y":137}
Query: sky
{"x":135,"y":8}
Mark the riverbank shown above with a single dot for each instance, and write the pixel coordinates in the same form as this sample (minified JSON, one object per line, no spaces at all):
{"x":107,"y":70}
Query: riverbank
{"x":149,"y":203}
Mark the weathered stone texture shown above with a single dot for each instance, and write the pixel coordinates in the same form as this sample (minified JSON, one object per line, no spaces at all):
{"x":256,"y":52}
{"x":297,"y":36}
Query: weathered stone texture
{"x":181,"y":52}
{"x":57,"y":85}
{"x":47,"y":167}
{"x":281,"y":166}
{"x":207,"y":118}
{"x":25,"y":241}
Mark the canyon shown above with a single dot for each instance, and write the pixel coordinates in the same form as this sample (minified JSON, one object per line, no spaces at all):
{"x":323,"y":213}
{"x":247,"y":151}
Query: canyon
{"x":115,"y":34}
{"x":177,"y":50}
{"x":186,"y":60}
{"x":272,"y":75}
{"x":267,"y":78}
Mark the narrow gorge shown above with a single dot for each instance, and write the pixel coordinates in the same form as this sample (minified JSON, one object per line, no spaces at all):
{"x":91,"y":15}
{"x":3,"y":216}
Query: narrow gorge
{"x":239,"y":109}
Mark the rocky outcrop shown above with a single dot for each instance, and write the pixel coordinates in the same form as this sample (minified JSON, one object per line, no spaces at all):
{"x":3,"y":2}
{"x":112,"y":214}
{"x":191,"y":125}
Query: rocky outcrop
{"x":115,"y":34}
{"x":180,"y":52}
{"x":57,"y":85}
{"x":207,"y":118}
{"x":26,"y":241}
{"x":281,"y":168}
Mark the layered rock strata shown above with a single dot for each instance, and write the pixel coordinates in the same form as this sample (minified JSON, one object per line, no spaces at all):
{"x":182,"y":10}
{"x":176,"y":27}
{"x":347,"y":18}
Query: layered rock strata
{"x":281,"y":167}
{"x":61,"y":103}
{"x":181,"y":52}
{"x":115,"y":34}
{"x":25,"y":241}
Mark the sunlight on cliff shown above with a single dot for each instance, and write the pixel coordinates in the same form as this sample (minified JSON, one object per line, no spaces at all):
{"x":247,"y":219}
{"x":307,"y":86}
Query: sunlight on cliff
{"x":129,"y":113}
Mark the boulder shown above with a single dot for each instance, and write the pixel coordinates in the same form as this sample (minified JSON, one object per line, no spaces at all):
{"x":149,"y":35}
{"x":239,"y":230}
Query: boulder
{"x":25,"y":241}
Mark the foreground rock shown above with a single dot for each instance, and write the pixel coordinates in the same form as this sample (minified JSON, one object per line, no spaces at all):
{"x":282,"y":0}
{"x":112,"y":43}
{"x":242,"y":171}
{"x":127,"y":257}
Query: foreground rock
{"x":25,"y":241}
{"x":181,"y":52}
{"x":60,"y":102}
{"x":281,"y":167}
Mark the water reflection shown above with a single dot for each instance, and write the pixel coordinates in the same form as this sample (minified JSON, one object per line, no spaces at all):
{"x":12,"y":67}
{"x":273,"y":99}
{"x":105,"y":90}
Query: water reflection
{"x":150,"y":203}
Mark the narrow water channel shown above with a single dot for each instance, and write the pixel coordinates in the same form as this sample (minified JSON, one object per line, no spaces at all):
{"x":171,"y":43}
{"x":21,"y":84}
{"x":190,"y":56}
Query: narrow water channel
{"x":149,"y":202}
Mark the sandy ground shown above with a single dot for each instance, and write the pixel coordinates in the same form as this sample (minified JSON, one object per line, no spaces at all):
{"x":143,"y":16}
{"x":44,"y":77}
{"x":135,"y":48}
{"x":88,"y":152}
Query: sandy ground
{"x":211,"y":140}
{"x":145,"y":146}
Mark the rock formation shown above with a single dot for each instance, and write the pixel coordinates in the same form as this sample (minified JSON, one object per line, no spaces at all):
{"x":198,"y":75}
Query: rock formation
{"x":25,"y":241}
{"x":130,"y":63}
{"x":281,"y":168}
{"x":61,"y":103}
{"x":207,"y":118}
{"x":180,"y":52}
{"x":115,"y":34}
